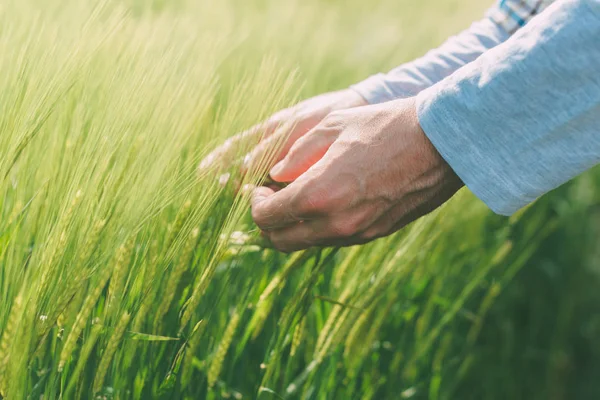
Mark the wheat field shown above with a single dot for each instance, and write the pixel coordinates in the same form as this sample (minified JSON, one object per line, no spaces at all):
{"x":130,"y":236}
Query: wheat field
{"x":124,"y":274}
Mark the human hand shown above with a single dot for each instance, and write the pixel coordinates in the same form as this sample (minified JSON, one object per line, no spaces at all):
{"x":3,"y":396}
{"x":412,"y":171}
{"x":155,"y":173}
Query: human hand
{"x":285,"y":126}
{"x":359,"y":175}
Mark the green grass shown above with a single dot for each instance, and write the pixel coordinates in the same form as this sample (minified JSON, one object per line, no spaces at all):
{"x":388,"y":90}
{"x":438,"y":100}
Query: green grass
{"x":124,"y":274}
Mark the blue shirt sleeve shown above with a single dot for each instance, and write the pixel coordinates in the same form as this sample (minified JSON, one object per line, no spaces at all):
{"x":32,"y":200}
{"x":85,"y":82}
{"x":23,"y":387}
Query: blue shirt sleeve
{"x":525,"y":116}
{"x":407,"y":80}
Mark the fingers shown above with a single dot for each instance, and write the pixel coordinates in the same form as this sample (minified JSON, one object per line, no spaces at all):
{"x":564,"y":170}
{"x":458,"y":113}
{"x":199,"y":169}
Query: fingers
{"x":272,"y":149}
{"x":343,"y":228}
{"x":302,"y":200}
{"x":226,"y":153}
{"x":319,"y":191}
{"x":304,"y":153}
{"x":352,"y":226}
{"x":272,"y":210}
{"x":322,"y":232}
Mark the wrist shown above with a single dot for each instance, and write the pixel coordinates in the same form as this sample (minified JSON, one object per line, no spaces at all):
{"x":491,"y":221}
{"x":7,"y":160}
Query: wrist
{"x":429,"y":151}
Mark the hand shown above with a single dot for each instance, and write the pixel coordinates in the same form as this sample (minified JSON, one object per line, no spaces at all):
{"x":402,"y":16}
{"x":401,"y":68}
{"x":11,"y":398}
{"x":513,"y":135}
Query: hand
{"x":292,"y":123}
{"x":359,"y":175}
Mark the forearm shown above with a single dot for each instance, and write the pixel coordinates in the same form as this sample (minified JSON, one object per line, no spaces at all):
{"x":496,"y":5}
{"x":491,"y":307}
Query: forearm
{"x":524,"y":117}
{"x":407,"y":80}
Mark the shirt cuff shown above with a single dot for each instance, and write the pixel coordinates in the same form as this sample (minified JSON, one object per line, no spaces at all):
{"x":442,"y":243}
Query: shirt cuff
{"x":467,"y":151}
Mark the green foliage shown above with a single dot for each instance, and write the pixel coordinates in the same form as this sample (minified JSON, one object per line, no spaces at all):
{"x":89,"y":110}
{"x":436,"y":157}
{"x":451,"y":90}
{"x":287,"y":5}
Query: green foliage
{"x":125,"y":274}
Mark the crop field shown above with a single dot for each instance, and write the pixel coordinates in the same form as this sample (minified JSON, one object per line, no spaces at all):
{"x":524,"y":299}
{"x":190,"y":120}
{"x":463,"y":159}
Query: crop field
{"x":126,"y":274}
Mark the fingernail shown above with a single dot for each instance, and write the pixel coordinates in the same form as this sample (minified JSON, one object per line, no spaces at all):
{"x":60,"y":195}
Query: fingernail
{"x":277,"y":168}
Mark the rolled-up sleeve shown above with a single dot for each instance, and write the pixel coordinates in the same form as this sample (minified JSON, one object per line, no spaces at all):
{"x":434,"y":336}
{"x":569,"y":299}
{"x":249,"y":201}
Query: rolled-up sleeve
{"x":525,"y":116}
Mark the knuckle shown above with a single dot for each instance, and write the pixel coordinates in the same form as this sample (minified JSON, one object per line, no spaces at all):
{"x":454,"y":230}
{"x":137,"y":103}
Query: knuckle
{"x":357,"y":221}
{"x":300,"y":150}
{"x":344,"y":228}
{"x":300,"y":117}
{"x":296,"y":148}
{"x":313,"y":201}
{"x":292,"y":216}
{"x":335,"y":116}
{"x":257,"y":216}
{"x":330,"y":121}
{"x":308,"y":204}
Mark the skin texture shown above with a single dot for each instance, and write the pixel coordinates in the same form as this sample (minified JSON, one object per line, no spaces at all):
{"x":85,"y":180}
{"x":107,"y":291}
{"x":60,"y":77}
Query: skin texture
{"x":287,"y":125}
{"x":360,"y":174}
{"x":356,"y":172}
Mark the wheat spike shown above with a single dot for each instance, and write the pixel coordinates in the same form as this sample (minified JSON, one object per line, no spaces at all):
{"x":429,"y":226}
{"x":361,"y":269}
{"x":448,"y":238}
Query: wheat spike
{"x":109,"y":352}
{"x":175,"y":276}
{"x":217,"y":361}
{"x":91,"y":242}
{"x":192,"y":346}
{"x":79,"y":323}
{"x":119,"y":275}
{"x":194,"y":299}
{"x":7,"y":337}
{"x":298,"y":336}
{"x":84,"y":355}
{"x":58,"y":248}
{"x":257,"y":322}
{"x":74,"y":283}
{"x":294,"y":262}
{"x":18,"y":207}
{"x":178,"y":223}
{"x":331,"y":319}
{"x":355,"y":333}
{"x":148,"y":300}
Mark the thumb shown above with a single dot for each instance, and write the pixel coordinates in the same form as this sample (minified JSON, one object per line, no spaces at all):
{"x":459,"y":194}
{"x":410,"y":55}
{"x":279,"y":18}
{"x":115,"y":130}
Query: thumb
{"x":304,"y":154}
